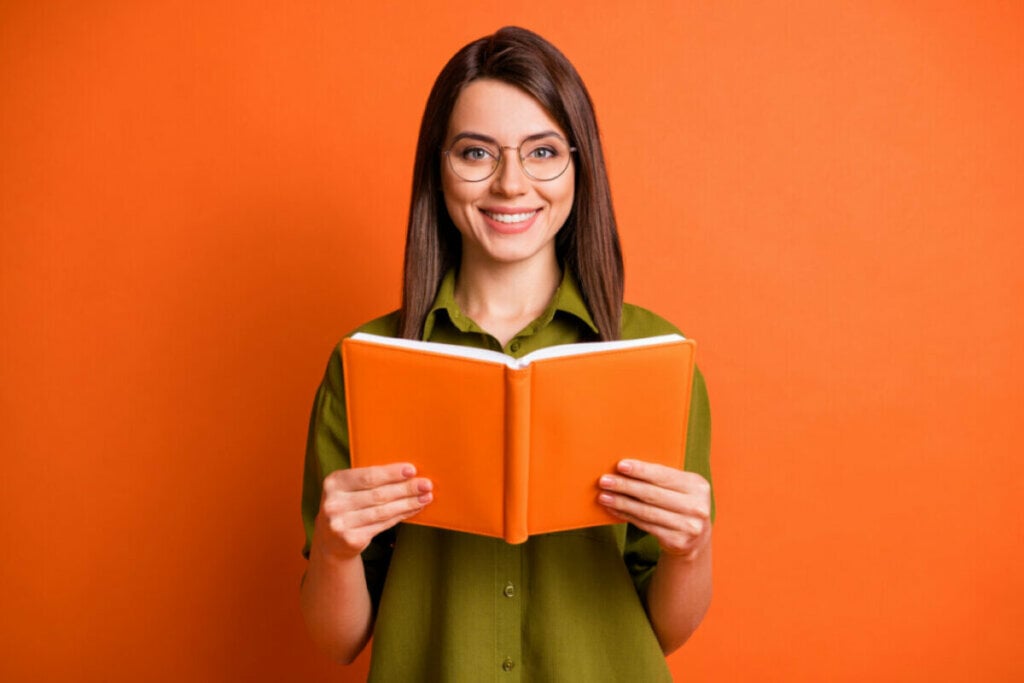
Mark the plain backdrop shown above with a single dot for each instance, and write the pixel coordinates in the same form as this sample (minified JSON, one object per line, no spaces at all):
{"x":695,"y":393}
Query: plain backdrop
{"x":198,"y":199}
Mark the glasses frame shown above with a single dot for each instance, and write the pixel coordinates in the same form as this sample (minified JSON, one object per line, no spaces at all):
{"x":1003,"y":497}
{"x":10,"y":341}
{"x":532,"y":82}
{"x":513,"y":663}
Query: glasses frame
{"x":501,"y":156}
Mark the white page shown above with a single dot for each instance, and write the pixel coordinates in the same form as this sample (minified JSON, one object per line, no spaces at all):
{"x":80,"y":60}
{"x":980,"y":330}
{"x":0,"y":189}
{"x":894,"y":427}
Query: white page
{"x":486,"y":355}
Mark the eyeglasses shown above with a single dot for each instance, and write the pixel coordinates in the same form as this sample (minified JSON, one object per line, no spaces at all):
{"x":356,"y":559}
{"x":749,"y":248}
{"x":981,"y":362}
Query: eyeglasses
{"x":543,"y":157}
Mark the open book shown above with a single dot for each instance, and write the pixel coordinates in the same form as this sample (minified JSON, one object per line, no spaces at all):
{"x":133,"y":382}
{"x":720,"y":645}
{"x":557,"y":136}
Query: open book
{"x":515,"y":446}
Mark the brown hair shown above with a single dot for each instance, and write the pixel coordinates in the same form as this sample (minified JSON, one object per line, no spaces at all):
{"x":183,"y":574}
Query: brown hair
{"x":588,"y":243}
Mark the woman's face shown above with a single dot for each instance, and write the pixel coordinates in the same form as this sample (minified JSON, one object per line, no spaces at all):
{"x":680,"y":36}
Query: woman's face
{"x":509,"y":217}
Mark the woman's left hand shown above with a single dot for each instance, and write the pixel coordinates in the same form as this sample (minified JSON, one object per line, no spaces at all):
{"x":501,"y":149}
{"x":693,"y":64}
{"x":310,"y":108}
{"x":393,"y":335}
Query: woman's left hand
{"x":672,"y":505}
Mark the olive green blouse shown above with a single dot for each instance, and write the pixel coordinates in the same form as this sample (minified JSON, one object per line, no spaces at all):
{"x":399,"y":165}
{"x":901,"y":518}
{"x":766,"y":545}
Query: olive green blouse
{"x":565,"y":606}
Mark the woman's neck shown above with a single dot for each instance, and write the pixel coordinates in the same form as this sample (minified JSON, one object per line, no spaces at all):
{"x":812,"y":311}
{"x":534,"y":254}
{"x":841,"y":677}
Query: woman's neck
{"x":504,"y":298}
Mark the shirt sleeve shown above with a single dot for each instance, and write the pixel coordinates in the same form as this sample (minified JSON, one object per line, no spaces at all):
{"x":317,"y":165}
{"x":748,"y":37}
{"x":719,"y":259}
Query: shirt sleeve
{"x":698,"y":434}
{"x":327,"y":450}
{"x":641,"y":550}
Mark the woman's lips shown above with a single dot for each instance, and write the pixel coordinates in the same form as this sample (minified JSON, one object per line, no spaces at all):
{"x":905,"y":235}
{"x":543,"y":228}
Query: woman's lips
{"x":510,"y":221}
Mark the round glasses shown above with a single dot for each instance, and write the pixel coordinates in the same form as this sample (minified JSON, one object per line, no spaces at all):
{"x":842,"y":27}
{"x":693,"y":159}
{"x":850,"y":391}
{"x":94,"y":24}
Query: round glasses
{"x":544,"y":157}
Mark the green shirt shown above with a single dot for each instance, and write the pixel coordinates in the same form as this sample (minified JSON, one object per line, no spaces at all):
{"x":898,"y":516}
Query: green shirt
{"x":566,"y":606}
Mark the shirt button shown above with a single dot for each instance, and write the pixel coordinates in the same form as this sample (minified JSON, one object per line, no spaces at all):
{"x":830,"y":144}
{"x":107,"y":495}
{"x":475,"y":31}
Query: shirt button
{"x":514,"y":346}
{"x":509,"y":590}
{"x":508,"y":664}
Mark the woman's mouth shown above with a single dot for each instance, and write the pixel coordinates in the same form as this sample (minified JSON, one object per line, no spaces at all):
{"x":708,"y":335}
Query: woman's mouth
{"x":510,"y":217}
{"x":510,"y":223}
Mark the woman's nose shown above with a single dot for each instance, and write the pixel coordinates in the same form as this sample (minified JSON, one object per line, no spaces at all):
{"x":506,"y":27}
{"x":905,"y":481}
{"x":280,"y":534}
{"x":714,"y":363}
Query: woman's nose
{"x":510,"y":179}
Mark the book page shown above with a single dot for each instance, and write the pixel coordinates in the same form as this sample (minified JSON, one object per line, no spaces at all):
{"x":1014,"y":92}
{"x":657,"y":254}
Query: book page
{"x":565,"y":350}
{"x":488,"y":356}
{"x":485,"y":355}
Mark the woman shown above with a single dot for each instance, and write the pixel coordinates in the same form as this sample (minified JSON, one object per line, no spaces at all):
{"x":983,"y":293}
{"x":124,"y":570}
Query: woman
{"x":511,"y":245}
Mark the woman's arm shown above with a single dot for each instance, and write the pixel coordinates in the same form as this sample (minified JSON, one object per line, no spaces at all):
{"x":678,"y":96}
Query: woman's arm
{"x":356,"y":505}
{"x":679,"y":596}
{"x":675,"y":507}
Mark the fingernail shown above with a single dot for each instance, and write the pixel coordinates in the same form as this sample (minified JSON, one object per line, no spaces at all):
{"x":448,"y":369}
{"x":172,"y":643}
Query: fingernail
{"x":607,"y":481}
{"x":425,"y":485}
{"x":425,"y":498}
{"x":408,"y":471}
{"x":605,"y":498}
{"x":625,"y":465}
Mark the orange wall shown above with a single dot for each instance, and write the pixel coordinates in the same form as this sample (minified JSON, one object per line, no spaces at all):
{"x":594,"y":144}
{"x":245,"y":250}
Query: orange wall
{"x":198,"y":199}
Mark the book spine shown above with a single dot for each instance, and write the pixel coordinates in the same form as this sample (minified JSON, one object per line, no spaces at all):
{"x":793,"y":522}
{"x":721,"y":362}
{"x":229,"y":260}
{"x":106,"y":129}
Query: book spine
{"x":517,"y":452}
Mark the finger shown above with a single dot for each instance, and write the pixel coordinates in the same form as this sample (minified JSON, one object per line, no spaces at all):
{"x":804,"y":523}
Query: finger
{"x":349,"y":531}
{"x":698,"y":504}
{"x":641,"y":490}
{"x":369,"y":532}
{"x":363,"y":478}
{"x":388,"y":514}
{"x":657,"y":530}
{"x":670,"y":541}
{"x":652,"y":514}
{"x":382,"y":495}
{"x":338,"y":501}
{"x":663,"y":475}
{"x":349,"y":541}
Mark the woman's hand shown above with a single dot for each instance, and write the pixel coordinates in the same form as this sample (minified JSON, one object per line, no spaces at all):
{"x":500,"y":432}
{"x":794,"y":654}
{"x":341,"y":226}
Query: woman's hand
{"x":672,"y":505}
{"x":359,"y":503}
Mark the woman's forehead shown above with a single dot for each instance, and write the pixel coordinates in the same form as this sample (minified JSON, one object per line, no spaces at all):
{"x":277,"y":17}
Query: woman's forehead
{"x":500,"y":111}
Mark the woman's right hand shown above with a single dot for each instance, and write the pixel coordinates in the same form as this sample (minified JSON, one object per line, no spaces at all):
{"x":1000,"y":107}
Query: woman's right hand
{"x":359,"y":503}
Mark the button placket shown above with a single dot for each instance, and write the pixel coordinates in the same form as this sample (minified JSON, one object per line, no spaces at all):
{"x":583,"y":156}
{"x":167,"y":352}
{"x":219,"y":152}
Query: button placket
{"x":507,"y":587}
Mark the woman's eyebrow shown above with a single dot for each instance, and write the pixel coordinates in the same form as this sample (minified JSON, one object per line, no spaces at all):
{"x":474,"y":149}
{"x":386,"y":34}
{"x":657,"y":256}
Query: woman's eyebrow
{"x":473,"y":136}
{"x":487,"y":138}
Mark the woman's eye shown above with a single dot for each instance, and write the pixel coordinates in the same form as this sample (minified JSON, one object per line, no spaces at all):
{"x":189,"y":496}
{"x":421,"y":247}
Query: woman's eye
{"x":543,"y":153}
{"x":475,"y":154}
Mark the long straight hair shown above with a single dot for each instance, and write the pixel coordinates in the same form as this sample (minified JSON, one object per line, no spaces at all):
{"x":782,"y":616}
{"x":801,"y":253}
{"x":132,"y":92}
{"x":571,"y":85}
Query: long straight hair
{"x":588,"y":242}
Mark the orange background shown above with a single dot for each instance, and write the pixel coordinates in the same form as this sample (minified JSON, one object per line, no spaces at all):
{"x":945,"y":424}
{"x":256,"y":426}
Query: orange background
{"x":198,"y":199}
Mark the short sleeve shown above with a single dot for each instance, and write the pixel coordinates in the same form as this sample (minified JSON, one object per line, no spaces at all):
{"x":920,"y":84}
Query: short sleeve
{"x":698,"y":434}
{"x":327,"y":450}
{"x":326,"y":443}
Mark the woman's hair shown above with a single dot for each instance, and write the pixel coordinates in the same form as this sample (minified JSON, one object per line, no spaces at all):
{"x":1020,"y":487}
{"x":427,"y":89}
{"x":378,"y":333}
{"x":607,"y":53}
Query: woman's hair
{"x":588,"y":242}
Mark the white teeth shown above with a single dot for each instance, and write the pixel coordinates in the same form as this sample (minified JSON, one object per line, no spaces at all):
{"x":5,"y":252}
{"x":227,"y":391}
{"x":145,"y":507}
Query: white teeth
{"x":510,"y":217}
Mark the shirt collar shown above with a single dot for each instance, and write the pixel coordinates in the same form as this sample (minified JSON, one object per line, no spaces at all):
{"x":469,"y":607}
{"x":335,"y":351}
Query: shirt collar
{"x":567,"y":299}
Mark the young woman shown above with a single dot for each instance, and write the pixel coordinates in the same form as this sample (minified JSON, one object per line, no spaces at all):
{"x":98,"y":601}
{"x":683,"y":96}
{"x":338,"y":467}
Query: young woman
{"x":511,"y":245}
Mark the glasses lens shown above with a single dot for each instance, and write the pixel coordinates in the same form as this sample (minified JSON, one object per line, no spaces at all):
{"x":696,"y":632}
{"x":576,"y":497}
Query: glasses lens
{"x":545,"y":159}
{"x":473,"y":160}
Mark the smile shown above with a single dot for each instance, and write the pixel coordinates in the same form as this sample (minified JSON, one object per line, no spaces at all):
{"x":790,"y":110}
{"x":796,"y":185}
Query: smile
{"x":510,"y":217}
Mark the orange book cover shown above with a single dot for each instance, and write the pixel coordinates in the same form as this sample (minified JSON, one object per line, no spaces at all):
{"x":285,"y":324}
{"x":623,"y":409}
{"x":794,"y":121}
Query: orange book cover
{"x":515,"y":446}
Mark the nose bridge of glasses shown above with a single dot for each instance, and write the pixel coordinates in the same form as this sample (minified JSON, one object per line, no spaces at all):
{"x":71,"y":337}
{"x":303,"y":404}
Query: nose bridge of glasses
{"x":520,"y":167}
